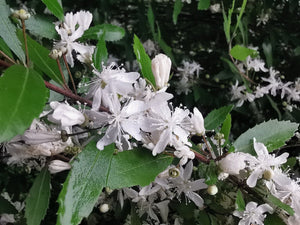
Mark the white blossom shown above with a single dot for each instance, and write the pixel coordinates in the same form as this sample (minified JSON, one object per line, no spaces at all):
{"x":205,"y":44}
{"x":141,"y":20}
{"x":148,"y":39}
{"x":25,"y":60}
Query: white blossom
{"x":198,"y":122}
{"x":161,"y":67}
{"x":57,"y":166}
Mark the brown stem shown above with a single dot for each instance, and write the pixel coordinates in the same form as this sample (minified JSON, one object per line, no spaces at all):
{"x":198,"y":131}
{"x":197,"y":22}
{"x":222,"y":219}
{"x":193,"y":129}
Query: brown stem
{"x":69,"y":72}
{"x":70,"y":94}
{"x":206,"y":143}
{"x":7,"y":57}
{"x":65,"y":86}
{"x":201,"y":157}
{"x":240,"y":72}
{"x":25,"y":42}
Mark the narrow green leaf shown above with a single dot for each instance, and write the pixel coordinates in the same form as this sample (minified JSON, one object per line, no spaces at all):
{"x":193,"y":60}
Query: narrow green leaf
{"x":241,"y":53}
{"x":176,"y":11}
{"x":242,"y":9}
{"x":39,"y":55}
{"x":41,"y":27}
{"x":93,"y":170}
{"x":112,"y":32}
{"x":211,"y":175}
{"x":55,"y":8}
{"x":6,"y":206}
{"x":216,"y":117}
{"x":144,"y":60}
{"x":273,"y":219}
{"x":100,"y":54}
{"x":8,"y":32}
{"x":4,"y":48}
{"x":203,"y":4}
{"x":227,"y":21}
{"x":150,"y":16}
{"x":291,"y":162}
{"x":38,"y":197}
{"x":267,"y":48}
{"x":226,"y":126}
{"x":23,"y":96}
{"x":273,"y":134}
{"x":239,"y":201}
{"x":281,"y":205}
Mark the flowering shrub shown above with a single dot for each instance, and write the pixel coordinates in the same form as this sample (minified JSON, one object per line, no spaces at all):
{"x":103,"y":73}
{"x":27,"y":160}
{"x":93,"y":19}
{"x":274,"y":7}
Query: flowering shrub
{"x":118,"y":123}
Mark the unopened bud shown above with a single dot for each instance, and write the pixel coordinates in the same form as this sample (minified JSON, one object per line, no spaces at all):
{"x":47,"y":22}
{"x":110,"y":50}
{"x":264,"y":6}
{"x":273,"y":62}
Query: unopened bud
{"x":268,"y":175}
{"x":212,"y":190}
{"x":161,"y":67}
{"x":104,"y":208}
{"x":223,"y":176}
{"x":57,"y":166}
{"x":108,"y":190}
{"x":207,"y":76}
{"x":198,"y":122}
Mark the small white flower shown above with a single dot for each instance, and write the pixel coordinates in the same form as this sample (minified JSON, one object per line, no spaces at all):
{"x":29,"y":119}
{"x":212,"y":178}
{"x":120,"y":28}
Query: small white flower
{"x":161,"y":67}
{"x":198,"y":122}
{"x":104,"y":208}
{"x":256,"y":64}
{"x":57,"y":166}
{"x":234,"y":162}
{"x":253,"y":214}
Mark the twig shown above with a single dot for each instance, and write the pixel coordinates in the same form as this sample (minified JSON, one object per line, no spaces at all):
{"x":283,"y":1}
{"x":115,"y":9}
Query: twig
{"x":69,"y":72}
{"x":70,"y":94}
{"x":201,"y":157}
{"x":25,"y":42}
{"x":240,"y":72}
{"x":62,"y":75}
{"x":7,"y":57}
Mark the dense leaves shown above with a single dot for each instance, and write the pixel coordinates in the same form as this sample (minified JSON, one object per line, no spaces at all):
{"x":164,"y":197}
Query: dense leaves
{"x":216,"y":117}
{"x":110,"y":32}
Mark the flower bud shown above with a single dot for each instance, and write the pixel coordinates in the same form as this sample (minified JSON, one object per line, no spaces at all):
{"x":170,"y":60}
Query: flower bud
{"x":198,"y":122}
{"x":21,"y":14}
{"x":161,"y":67}
{"x":104,"y":208}
{"x":212,"y":190}
{"x":55,"y":54}
{"x":268,"y":174}
{"x":57,"y":166}
{"x":174,"y":172}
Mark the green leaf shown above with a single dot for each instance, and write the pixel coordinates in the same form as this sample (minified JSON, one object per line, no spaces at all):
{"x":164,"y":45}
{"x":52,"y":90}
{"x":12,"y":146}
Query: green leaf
{"x":23,"y":96}
{"x":239,"y":201}
{"x":291,"y":162}
{"x":267,"y":48}
{"x":5,"y":48}
{"x":203,"y":4}
{"x":144,"y":60}
{"x":177,"y":9}
{"x":37,"y":200}
{"x":111,"y":32}
{"x":242,"y":9}
{"x":8,"y":32}
{"x":216,"y":117}
{"x":93,"y":170}
{"x":39,"y":55}
{"x":150,"y":16}
{"x":226,"y":126}
{"x":227,"y":21}
{"x":100,"y":54}
{"x":6,"y":206}
{"x":272,"y":134}
{"x":272,"y":219}
{"x":211,"y":175}
{"x":41,"y":26}
{"x":281,"y":205}
{"x":241,"y":53}
{"x":55,"y":8}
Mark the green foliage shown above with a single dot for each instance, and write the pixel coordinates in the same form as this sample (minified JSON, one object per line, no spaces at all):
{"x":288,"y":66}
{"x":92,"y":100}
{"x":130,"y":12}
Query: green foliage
{"x":211,"y":175}
{"x":176,"y":11}
{"x":239,"y":201}
{"x":280,"y":204}
{"x":226,"y":127}
{"x":55,"y":8}
{"x":39,"y":55}
{"x":216,"y":117}
{"x":144,"y":60}
{"x":6,"y":206}
{"x":5,"y":48}
{"x":41,"y":27}
{"x":38,"y":198}
{"x":93,"y":170}
{"x":8,"y":31}
{"x":110,"y":32}
{"x":272,"y":134}
{"x":23,"y":93}
{"x":100,"y":54}
{"x":241,"y":53}
{"x":203,"y":4}
{"x":150,"y":16}
{"x":273,"y":219}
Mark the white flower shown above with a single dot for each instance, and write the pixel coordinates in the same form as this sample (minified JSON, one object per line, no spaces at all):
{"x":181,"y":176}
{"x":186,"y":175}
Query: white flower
{"x":253,"y":214}
{"x":274,"y":82}
{"x":183,"y":184}
{"x":70,"y":30}
{"x":57,"y":166}
{"x":198,"y":122}
{"x":65,"y":114}
{"x":256,"y":64}
{"x":161,"y":67}
{"x":263,"y":162}
{"x":234,"y":162}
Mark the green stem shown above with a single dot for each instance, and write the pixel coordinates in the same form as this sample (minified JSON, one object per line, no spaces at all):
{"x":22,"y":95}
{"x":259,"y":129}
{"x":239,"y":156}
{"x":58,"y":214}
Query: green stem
{"x":25,"y":42}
